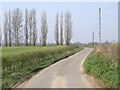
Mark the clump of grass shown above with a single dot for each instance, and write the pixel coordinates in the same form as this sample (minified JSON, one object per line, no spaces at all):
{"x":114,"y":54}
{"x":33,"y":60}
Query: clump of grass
{"x":18,"y":67}
{"x":103,"y":68}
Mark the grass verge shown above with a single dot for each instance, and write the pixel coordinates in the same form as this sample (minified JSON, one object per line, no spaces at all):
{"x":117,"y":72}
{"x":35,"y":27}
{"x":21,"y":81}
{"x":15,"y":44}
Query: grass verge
{"x":103,"y":68}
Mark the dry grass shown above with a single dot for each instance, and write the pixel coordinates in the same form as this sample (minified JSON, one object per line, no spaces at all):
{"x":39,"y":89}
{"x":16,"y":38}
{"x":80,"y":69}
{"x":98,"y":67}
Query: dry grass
{"x":110,"y":50}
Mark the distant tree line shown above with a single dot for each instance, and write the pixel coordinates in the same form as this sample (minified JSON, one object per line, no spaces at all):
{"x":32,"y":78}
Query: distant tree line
{"x":22,"y":29}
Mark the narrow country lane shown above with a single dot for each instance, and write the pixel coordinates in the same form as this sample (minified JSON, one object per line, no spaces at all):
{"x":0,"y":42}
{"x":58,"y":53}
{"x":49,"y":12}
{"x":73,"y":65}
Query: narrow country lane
{"x":67,"y":73}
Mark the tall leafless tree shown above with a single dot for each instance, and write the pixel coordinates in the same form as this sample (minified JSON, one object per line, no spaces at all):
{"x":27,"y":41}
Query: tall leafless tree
{"x":0,"y":36}
{"x":61,"y":30}
{"x":6,"y":30}
{"x":68,"y":28}
{"x":17,"y":25}
{"x":30,"y":28}
{"x":9,"y":29}
{"x":26,"y":27}
{"x":43,"y":28}
{"x":57,"y":30}
{"x":34,"y":27}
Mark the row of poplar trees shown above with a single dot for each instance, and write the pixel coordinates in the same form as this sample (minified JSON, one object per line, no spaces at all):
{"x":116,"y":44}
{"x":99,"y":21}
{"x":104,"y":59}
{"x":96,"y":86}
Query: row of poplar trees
{"x":18,"y":30}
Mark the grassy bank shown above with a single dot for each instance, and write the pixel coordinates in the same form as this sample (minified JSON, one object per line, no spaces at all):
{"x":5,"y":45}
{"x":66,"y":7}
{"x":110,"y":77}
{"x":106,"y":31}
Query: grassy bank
{"x":20,"y":63}
{"x":103,"y":65}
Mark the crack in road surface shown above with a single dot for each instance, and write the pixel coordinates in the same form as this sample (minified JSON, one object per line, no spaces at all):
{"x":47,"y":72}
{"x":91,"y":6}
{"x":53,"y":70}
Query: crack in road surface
{"x":63,"y":74}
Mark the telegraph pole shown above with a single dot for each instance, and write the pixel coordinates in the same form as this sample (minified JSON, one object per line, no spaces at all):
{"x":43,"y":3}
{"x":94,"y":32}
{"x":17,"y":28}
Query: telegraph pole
{"x":99,"y":25}
{"x":93,"y":38}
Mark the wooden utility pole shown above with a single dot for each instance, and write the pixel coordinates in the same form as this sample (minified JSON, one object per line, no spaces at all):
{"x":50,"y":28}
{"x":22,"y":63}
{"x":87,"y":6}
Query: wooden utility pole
{"x":99,"y":25}
{"x":93,"y":38}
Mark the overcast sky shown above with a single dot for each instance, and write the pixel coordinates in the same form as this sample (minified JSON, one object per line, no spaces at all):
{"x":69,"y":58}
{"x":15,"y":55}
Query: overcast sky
{"x":84,"y":18}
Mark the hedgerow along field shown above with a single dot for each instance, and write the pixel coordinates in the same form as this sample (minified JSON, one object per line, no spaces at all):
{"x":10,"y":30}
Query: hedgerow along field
{"x":19,"y":63}
{"x":102,"y":64}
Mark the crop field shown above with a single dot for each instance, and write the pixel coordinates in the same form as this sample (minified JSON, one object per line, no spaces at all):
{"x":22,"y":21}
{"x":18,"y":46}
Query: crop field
{"x":20,"y":63}
{"x":16,"y":50}
{"x":102,"y":64}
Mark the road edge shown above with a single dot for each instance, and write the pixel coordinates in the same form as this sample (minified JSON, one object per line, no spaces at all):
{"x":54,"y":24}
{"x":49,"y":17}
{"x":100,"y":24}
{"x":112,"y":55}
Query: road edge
{"x":89,"y":79}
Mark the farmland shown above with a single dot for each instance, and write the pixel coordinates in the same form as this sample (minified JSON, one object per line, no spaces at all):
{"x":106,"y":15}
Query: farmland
{"x":102,"y":64}
{"x":11,"y":51}
{"x":59,"y":45}
{"x":20,"y":63}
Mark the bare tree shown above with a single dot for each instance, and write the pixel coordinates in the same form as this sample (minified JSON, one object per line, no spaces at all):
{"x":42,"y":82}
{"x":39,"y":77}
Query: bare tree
{"x":61,"y":30}
{"x":26,"y":27}
{"x":6,"y":30}
{"x":34,"y":27}
{"x":30,"y":28}
{"x":57,"y":31}
{"x":0,"y":36}
{"x":17,"y":25}
{"x":9,"y":29}
{"x":68,"y":28}
{"x":43,"y":28}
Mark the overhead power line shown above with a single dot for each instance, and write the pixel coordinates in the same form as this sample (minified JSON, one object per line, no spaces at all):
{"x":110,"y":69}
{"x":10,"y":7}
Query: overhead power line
{"x":109,"y":7}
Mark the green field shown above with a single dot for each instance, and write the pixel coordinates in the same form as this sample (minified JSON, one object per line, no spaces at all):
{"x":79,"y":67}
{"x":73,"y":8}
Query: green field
{"x":20,"y":63}
{"x":102,"y":64}
{"x":11,"y":51}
